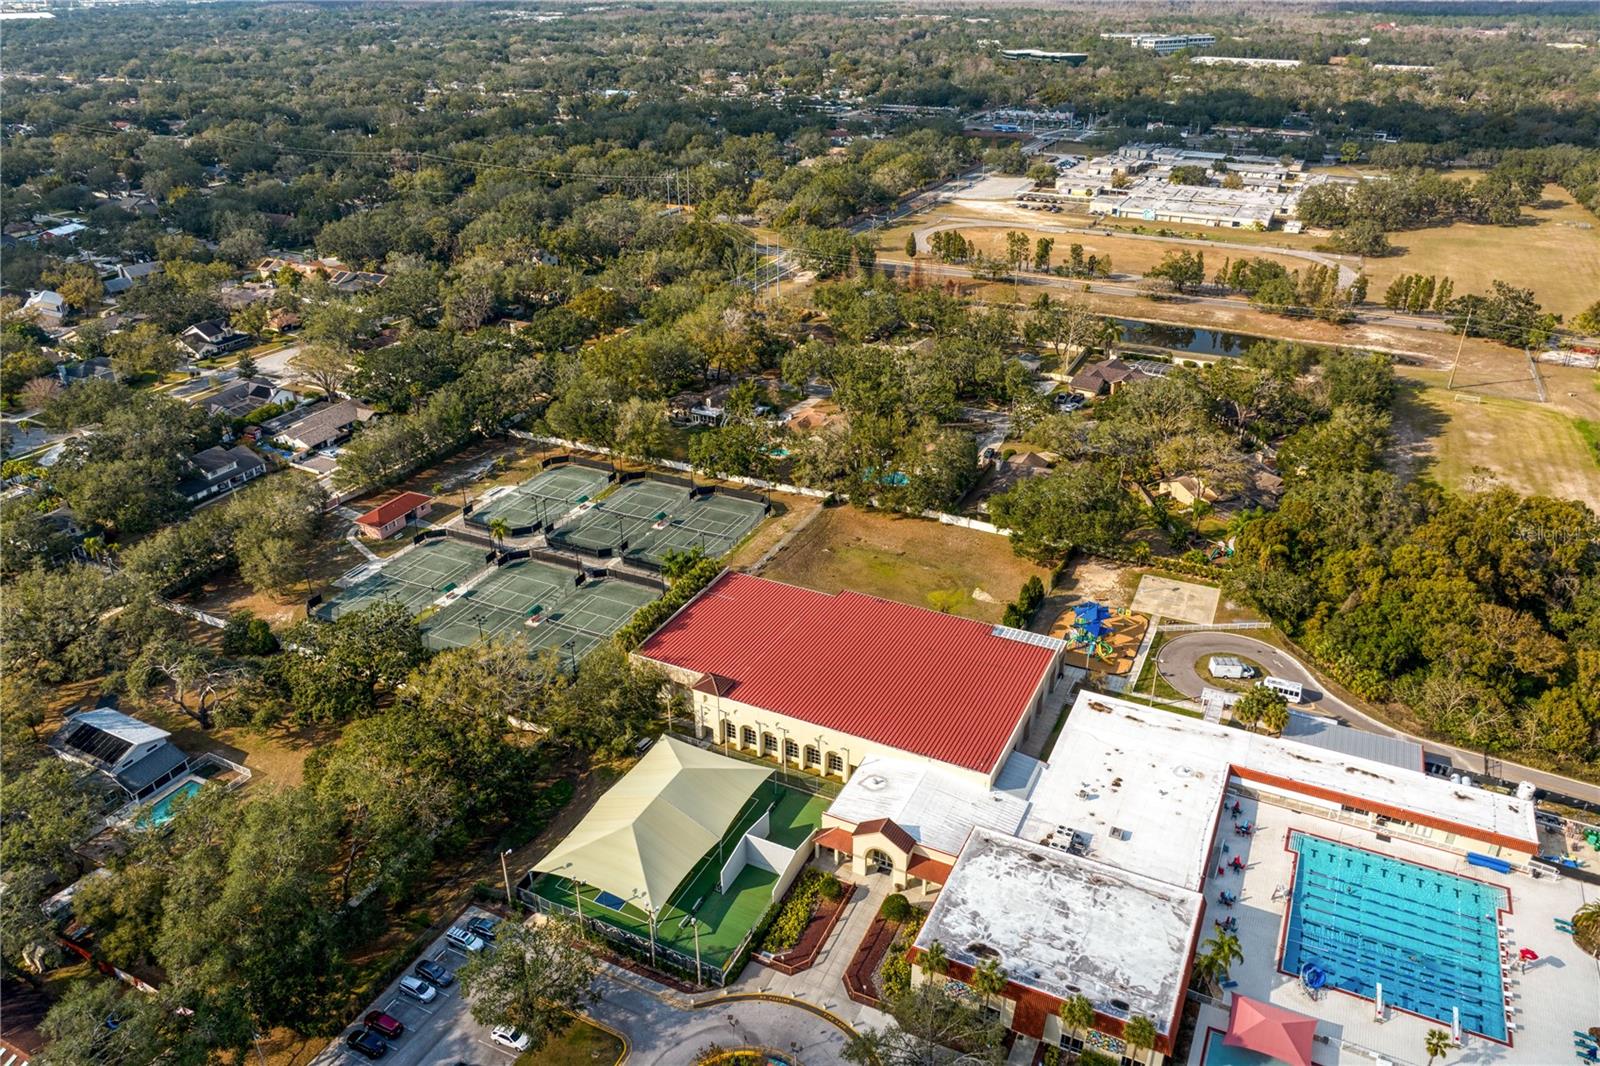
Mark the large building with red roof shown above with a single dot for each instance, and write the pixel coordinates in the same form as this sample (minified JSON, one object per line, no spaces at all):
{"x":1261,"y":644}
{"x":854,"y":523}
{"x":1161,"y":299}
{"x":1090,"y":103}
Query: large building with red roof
{"x":820,"y":682}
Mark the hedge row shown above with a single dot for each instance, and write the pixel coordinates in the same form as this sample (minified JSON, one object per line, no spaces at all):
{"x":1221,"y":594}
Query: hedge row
{"x":784,"y":933}
{"x":649,"y":617}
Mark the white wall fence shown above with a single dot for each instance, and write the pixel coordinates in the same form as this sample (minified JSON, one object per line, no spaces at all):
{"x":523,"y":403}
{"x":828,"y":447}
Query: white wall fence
{"x":1216,"y":627}
{"x":945,"y":517}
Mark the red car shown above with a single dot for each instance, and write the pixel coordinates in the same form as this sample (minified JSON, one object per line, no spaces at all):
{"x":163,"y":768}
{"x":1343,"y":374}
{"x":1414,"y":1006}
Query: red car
{"x":384,"y":1025}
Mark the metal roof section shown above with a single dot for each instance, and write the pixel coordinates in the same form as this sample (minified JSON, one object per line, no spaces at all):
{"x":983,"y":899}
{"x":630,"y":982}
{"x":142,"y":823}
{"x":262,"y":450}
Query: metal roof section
{"x":926,"y":683}
{"x":1326,"y":733}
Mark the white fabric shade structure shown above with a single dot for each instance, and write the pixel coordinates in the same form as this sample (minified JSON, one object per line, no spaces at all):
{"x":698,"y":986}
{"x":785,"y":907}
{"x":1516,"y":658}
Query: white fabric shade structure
{"x":651,"y":828}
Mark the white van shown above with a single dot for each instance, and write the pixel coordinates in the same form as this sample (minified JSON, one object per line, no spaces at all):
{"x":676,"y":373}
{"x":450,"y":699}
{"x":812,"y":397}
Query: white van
{"x":1289,"y":690}
{"x":1230,"y":666}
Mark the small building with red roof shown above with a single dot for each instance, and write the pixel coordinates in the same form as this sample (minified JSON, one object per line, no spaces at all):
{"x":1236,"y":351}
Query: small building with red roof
{"x":387,"y":519}
{"x":820,"y":682}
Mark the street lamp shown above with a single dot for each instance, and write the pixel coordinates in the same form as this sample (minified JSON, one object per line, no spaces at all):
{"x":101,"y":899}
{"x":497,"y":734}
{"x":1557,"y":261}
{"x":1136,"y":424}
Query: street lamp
{"x":505,"y":872}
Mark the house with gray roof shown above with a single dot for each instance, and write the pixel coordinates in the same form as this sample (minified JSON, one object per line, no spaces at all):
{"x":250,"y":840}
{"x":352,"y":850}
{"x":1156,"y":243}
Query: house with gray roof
{"x":137,"y":757}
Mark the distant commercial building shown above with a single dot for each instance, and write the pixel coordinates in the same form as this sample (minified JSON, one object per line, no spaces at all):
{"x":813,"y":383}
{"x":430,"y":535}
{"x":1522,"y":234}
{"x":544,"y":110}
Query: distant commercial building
{"x":1035,"y":55}
{"x":1166,"y":44}
{"x":1244,"y":61}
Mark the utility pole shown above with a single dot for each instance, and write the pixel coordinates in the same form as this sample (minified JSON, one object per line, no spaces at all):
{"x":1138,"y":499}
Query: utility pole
{"x":505,"y":872}
{"x":1465,"y":326}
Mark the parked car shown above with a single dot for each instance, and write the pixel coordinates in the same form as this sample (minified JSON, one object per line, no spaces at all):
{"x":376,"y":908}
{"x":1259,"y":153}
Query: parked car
{"x":483,"y":928}
{"x":515,"y":1039}
{"x":384,"y":1025}
{"x":418,"y":989}
{"x":368,"y":1044}
{"x":435,"y":974}
{"x":463,"y":939}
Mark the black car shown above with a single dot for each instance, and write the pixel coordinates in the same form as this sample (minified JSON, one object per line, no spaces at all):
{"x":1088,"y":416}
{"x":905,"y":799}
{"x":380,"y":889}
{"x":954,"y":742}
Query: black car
{"x":483,"y":928}
{"x":435,"y":974}
{"x":368,"y":1044}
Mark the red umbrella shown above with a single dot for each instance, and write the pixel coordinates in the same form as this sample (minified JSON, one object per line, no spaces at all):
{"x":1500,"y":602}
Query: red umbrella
{"x":1529,"y":955}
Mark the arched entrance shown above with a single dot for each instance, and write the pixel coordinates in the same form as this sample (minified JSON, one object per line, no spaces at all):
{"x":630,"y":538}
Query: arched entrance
{"x":878,"y":861}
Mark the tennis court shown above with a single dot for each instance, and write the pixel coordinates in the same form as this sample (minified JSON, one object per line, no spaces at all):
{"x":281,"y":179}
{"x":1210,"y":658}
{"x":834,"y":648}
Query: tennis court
{"x":414,"y":578}
{"x":543,"y":498}
{"x":724,"y":918}
{"x":570,"y":617}
{"x":655,"y":518}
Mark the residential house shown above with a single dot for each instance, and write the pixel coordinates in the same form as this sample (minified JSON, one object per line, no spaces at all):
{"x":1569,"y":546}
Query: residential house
{"x":242,"y":397}
{"x":219,"y":470}
{"x":83,"y":370}
{"x":127,"y":275}
{"x":138,"y":758}
{"x":318,"y":426}
{"x":340,"y":277}
{"x":48,"y":307}
{"x":1105,"y":378}
{"x":1186,"y":490}
{"x":212,"y":337}
{"x":387,"y":519}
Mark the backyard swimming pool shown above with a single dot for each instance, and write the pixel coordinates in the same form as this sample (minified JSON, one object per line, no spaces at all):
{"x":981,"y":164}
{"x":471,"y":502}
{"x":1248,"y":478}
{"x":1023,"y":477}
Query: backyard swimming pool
{"x":161,"y":812}
{"x":1430,"y":938}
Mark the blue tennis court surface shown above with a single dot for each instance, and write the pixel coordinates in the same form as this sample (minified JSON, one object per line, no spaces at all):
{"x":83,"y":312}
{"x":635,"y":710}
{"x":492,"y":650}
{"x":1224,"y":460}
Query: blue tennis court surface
{"x":1431,"y":938}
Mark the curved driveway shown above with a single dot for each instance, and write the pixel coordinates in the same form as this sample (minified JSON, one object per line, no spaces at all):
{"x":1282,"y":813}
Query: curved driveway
{"x":1181,"y":660}
{"x":664,"y":1034}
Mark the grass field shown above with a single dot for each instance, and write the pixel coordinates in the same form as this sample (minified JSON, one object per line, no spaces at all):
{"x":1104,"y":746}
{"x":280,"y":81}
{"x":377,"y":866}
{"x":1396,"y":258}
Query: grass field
{"x":581,"y":1045}
{"x":1128,"y":255}
{"x":1552,"y":254}
{"x":912,"y":560}
{"x":1464,"y":439}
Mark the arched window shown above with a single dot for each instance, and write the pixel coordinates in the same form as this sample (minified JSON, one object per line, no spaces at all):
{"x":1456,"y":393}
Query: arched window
{"x":769,"y":744}
{"x":835,"y":763}
{"x":791,"y":751}
{"x":813,"y":757}
{"x":729,"y":732}
{"x":878,"y":861}
{"x":747,"y":737}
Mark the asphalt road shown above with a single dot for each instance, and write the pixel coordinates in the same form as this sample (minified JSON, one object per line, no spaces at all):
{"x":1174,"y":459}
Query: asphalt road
{"x":665,"y":1035}
{"x":1182,"y":662}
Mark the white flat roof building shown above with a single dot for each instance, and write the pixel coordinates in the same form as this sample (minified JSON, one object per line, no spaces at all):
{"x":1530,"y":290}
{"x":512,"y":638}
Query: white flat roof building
{"x":1166,"y":44}
{"x":1066,"y":926}
{"x":1244,"y":61}
{"x":938,"y":809}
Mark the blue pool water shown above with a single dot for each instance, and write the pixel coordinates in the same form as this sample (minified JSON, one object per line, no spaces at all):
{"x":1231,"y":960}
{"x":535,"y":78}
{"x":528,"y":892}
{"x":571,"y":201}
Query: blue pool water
{"x":1219,"y":1054}
{"x":161,"y":812}
{"x":1430,"y":937}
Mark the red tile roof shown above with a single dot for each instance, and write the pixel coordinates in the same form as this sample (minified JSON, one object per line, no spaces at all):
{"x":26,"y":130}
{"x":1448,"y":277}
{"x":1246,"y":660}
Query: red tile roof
{"x":836,"y":838}
{"x":891,"y":832}
{"x":385,"y":513}
{"x":906,"y":677}
{"x":930,"y":869}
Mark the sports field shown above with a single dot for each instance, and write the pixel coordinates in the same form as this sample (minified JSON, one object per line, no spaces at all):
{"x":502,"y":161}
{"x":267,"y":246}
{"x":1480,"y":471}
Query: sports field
{"x":414,"y":578}
{"x":724,"y":917}
{"x":542,"y":499}
{"x":541,"y":603}
{"x":654,"y":518}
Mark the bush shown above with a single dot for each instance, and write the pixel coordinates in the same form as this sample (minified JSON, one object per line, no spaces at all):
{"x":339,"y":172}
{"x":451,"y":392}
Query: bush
{"x":791,"y":921}
{"x":832,"y":890}
{"x":1020,"y":612}
{"x":895,"y":978}
{"x":245,"y":634}
{"x":896,"y":908}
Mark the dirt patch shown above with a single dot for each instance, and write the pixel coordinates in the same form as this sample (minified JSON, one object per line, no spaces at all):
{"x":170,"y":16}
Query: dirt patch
{"x":788,"y":513}
{"x":912,"y":560}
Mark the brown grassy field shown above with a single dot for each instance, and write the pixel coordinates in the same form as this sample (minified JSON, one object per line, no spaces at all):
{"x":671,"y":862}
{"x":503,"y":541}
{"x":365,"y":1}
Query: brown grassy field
{"x":1128,"y":256}
{"x":912,"y":560}
{"x":1474,"y":437}
{"x":1551,"y":253}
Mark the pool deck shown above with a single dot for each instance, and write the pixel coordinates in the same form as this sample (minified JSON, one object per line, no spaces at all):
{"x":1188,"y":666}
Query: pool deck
{"x":1557,"y":994}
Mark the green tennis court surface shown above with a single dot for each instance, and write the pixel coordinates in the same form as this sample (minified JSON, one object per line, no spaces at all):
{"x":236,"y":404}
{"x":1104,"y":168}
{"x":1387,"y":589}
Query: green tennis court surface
{"x":571,"y":617}
{"x":543,"y":498}
{"x":655,"y":518}
{"x":414,"y":578}
{"x":724,"y":917}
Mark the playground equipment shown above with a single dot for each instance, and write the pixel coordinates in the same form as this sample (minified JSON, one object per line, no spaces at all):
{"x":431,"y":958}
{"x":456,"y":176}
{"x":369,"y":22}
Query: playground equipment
{"x":1091,"y":631}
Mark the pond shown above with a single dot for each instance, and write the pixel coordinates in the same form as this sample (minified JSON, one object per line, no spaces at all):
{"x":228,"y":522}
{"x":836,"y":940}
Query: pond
{"x":1194,"y":339}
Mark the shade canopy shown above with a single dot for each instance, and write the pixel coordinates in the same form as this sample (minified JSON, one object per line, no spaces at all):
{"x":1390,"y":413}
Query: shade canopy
{"x":1275,"y":1032}
{"x":649,"y":830}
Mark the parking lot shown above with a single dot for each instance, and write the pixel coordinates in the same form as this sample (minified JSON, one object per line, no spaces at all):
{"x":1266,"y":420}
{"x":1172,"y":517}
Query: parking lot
{"x":441,"y":1031}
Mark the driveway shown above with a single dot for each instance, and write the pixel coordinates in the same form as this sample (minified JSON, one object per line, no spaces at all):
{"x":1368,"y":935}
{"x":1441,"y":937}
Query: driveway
{"x":1181,"y":661}
{"x":663,"y":1033}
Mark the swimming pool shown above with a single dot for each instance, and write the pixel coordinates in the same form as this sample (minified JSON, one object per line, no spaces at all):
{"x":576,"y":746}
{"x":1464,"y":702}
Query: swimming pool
{"x":1431,"y":938}
{"x":161,"y":812}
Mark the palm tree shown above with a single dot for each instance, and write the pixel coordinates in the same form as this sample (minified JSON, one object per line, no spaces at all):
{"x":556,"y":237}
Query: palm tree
{"x":1436,"y":1044}
{"x":1077,"y":1014}
{"x":1139,"y":1033}
{"x":1222,"y":951}
{"x":988,"y":980}
{"x":499,"y":529}
{"x":1107,"y":335}
{"x":934,"y":960}
{"x":1586,"y":927}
